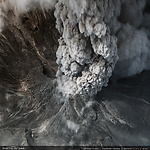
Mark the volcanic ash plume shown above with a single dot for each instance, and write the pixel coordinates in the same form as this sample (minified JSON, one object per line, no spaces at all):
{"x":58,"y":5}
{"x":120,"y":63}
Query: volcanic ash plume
{"x":87,"y":52}
{"x":133,"y":39}
{"x":93,"y":35}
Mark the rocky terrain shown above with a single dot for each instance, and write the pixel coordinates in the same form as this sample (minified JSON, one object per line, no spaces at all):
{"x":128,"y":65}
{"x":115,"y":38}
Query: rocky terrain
{"x":74,"y":73}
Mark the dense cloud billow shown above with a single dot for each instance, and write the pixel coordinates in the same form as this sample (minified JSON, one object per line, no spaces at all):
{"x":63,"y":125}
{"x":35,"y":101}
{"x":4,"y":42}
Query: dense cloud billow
{"x":56,"y":55}
{"x":87,"y":52}
{"x":94,"y":34}
{"x":133,"y":39}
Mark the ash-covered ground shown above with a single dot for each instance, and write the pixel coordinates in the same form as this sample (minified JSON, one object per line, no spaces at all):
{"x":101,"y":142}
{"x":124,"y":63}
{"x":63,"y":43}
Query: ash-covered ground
{"x":74,"y":73}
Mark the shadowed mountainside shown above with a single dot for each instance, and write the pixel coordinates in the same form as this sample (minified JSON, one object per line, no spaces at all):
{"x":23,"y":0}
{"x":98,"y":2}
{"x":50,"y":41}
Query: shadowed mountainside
{"x":27,"y":66}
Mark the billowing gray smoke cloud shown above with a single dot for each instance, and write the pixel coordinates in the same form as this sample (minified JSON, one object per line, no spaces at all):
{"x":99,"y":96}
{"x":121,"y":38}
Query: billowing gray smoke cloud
{"x":133,"y":39}
{"x":87,"y":52}
{"x":88,"y":48}
{"x":93,"y":35}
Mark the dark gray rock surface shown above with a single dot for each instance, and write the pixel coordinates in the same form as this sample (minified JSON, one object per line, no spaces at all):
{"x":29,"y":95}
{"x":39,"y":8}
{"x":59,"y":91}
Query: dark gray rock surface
{"x":118,"y":115}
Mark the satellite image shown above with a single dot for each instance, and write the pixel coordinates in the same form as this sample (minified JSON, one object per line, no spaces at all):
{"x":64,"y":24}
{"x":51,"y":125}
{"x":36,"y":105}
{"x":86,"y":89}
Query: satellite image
{"x":74,"y":73}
